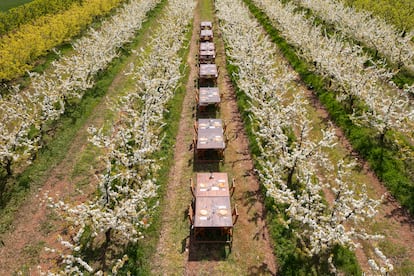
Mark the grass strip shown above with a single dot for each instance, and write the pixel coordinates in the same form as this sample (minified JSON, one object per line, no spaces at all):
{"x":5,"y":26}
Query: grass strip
{"x":10,"y":4}
{"x":398,"y":12}
{"x":394,"y":172}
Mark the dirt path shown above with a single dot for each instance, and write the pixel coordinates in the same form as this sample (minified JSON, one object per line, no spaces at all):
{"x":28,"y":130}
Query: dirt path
{"x":35,"y":225}
{"x":252,"y":253}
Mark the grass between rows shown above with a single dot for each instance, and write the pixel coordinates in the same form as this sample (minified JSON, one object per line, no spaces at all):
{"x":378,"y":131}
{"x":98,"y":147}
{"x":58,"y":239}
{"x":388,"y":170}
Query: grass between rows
{"x":66,"y":129}
{"x":396,"y":12}
{"x":394,"y":172}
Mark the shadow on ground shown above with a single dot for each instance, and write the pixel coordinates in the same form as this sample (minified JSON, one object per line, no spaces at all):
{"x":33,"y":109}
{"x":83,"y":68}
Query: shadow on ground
{"x":207,"y":251}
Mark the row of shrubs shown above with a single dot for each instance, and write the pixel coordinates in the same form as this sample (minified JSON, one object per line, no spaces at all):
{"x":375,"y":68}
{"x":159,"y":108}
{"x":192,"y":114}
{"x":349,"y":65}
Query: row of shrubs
{"x":290,"y":260}
{"x":21,"y":48}
{"x":394,"y":172}
{"x":74,"y":118}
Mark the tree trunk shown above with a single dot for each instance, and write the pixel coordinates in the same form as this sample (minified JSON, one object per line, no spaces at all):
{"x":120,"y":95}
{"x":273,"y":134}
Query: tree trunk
{"x":290,"y":176}
{"x":108,"y":236}
{"x":105,"y":248}
{"x":8,"y":167}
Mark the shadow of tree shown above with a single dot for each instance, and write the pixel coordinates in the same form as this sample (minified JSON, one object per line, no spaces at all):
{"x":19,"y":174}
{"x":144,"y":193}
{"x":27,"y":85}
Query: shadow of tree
{"x":250,"y":198}
{"x":398,"y":212}
{"x":262,"y":269}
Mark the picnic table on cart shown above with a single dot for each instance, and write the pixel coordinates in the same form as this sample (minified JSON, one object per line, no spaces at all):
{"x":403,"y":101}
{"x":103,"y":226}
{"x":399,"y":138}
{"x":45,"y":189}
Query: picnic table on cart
{"x":208,"y":95}
{"x":208,"y":71}
{"x":213,"y":211}
{"x":210,"y":134}
{"x":207,"y":46}
{"x":212,"y":217}
{"x":206,"y":35}
{"x":207,"y":56}
{"x":212,"y":184}
{"x":206,"y":25}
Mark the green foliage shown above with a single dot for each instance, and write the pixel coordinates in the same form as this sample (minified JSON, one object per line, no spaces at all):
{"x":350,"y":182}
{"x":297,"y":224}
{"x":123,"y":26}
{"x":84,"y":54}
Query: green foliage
{"x":17,"y":16}
{"x":346,"y":260}
{"x":20,"y":48}
{"x":404,"y":76}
